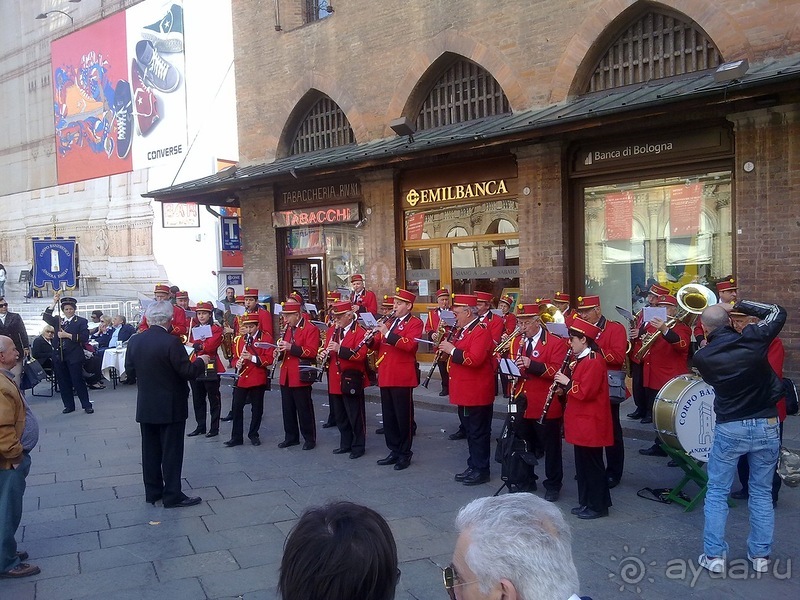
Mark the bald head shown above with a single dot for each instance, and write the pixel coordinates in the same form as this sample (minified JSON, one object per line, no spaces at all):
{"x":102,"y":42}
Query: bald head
{"x":715,"y":317}
{"x":8,"y":352}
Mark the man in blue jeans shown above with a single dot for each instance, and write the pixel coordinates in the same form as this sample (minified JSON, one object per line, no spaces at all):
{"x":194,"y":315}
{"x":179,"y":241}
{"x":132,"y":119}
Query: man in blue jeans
{"x":746,"y":390}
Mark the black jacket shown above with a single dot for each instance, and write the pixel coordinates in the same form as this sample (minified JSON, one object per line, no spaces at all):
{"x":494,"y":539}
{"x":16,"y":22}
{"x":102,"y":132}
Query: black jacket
{"x":161,"y":367}
{"x":15,"y":329}
{"x":736,"y":365}
{"x":78,"y":327}
{"x":42,"y":350}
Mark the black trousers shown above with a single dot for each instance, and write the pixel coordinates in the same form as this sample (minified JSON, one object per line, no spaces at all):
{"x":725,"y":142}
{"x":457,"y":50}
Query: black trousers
{"x":297,"y":410}
{"x":351,"y":420}
{"x":743,"y":468}
{"x":200,"y":391}
{"x":615,"y":454}
{"x":637,"y":385}
{"x":162,"y":461}
{"x":444,"y":375}
{"x":254,"y":396}
{"x":93,"y":366}
{"x":548,"y":437}
{"x":592,"y":483}
{"x":478,"y":425}
{"x":397,"y":405}
{"x":649,"y":399}
{"x":69,"y":376}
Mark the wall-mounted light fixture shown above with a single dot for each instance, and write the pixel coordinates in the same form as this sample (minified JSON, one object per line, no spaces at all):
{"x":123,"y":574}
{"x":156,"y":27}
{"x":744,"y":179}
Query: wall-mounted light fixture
{"x":404,"y":126}
{"x":730,"y":71}
{"x":44,"y":15}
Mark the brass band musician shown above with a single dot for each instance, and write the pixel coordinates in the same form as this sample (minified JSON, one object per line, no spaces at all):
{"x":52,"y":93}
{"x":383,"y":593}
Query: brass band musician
{"x":431,"y":331}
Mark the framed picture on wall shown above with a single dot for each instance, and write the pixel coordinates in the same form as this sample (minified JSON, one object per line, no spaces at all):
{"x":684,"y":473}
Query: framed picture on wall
{"x":514,"y":293}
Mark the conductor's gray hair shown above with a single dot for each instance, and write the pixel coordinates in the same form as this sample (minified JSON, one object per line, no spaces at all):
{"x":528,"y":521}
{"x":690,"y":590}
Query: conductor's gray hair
{"x":159,"y":313}
{"x":522,"y":538}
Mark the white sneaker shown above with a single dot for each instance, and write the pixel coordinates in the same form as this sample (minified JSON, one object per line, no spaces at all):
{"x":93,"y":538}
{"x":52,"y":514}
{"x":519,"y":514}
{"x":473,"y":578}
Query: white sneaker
{"x":760,"y":565}
{"x":715,"y":565}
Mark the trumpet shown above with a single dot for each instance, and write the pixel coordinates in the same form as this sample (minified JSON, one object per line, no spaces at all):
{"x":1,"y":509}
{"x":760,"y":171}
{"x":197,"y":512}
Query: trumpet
{"x":692,"y":298}
{"x":371,"y":333}
{"x":278,"y":357}
{"x":503,"y":346}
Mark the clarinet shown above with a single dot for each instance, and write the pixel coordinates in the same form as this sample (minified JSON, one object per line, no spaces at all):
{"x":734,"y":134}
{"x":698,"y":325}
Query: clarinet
{"x":371,"y":333}
{"x":278,"y":356}
{"x":248,"y":344}
{"x":552,"y":392}
{"x":326,"y":360}
{"x":438,"y":356}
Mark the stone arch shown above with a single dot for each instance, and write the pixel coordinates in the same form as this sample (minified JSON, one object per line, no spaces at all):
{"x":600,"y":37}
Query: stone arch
{"x":606,"y":20}
{"x":421,"y":73}
{"x":300,"y":99}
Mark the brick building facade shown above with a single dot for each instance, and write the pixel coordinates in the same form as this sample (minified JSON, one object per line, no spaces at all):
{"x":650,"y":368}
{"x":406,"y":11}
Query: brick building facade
{"x":627,"y":159}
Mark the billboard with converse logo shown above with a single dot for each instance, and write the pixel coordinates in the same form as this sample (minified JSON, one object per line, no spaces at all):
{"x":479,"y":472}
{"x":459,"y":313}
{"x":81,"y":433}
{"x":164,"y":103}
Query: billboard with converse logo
{"x":120,"y":93}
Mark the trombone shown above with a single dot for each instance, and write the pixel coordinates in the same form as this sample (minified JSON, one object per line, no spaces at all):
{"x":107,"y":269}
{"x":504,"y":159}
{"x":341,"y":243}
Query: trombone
{"x":693,"y":299}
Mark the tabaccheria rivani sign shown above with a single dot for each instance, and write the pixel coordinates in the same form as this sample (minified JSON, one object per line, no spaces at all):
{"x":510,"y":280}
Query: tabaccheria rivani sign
{"x":479,"y":189}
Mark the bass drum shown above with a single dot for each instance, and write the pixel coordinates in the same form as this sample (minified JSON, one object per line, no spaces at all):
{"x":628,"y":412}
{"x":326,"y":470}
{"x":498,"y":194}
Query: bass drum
{"x":683,"y":414}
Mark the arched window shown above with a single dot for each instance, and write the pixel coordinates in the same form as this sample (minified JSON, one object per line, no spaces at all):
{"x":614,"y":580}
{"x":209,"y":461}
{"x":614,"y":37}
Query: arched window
{"x":324,"y":126}
{"x":464,"y":92}
{"x":654,"y":46}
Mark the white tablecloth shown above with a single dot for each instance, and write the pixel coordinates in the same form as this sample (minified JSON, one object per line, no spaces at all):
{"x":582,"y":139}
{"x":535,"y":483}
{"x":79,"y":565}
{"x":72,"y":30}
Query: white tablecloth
{"x":114,"y":357}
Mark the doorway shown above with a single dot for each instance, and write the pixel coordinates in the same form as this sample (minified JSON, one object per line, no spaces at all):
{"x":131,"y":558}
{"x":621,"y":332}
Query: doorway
{"x":305,"y":276}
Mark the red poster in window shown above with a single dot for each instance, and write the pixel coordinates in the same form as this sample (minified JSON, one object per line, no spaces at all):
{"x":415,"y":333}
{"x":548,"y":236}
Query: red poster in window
{"x":685,"y":202}
{"x":414,"y":227}
{"x":619,"y":216}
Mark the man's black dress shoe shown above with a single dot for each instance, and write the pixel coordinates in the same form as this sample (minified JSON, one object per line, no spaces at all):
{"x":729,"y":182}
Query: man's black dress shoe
{"x":255,"y":441}
{"x":742,"y":494}
{"x":551,"y":495}
{"x":89,"y":411}
{"x":476,"y":478}
{"x":328,"y":425}
{"x":587,"y":513}
{"x":444,"y":393}
{"x":646,"y":419}
{"x":402,"y":463}
{"x":357,"y":453}
{"x":309,"y":445}
{"x":67,"y":411}
{"x":197,"y":431}
{"x":637,"y":414}
{"x":212,"y":433}
{"x":185,"y":502}
{"x":152,"y":500}
{"x":341,"y":450}
{"x":379,"y":431}
{"x":458,"y":435}
{"x":232,"y":443}
{"x":652,"y":451}
{"x":578,"y":510}
{"x":612,"y":483}
{"x":227,"y":418}
{"x":463,"y":474}
{"x":389,"y":460}
{"x":286,"y":444}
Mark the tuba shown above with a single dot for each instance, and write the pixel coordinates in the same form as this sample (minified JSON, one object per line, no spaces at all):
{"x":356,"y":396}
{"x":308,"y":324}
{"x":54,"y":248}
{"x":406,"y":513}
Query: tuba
{"x":693,"y":299}
{"x":549,"y":313}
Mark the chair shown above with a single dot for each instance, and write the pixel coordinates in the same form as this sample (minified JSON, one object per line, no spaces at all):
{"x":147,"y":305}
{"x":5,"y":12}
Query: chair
{"x":51,"y":379}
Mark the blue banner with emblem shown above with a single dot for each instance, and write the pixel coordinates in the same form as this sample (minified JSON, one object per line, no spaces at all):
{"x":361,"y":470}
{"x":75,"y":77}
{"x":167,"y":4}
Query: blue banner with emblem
{"x":55,"y":261}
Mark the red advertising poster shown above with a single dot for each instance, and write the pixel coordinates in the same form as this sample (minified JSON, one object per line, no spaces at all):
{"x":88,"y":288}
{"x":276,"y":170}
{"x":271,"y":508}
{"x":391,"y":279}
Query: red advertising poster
{"x":619,"y":216}
{"x":90,"y":73}
{"x":685,"y":204}
{"x":414,"y":226}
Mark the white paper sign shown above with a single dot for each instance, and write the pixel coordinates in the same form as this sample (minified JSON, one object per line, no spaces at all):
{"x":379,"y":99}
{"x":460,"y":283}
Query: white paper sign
{"x":423,"y":287}
{"x":277,"y":309}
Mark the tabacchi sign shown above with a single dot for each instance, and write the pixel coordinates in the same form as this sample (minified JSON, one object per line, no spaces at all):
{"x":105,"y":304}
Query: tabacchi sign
{"x":345,"y":213}
{"x":480,"y":189}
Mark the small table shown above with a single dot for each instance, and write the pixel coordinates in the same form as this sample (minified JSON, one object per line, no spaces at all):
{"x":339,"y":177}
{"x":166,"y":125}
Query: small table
{"x":114,"y":364}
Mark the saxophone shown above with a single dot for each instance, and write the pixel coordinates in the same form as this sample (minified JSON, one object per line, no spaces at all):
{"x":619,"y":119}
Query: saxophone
{"x":227,"y":338}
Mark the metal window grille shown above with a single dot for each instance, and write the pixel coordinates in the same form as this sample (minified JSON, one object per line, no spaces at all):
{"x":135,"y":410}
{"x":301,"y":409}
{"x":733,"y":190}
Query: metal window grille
{"x":655,"y":46}
{"x":324,"y":126}
{"x":466,"y":91}
{"x":316,"y":10}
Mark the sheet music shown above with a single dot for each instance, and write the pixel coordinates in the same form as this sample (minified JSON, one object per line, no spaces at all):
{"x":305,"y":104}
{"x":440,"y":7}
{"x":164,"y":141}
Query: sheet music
{"x":628,"y":315}
{"x":497,"y":312}
{"x":559,"y":329}
{"x":277,"y":309}
{"x":509,"y":367}
{"x":190,"y":313}
{"x":311,"y":308}
{"x":265,"y":345}
{"x":368,"y":319}
{"x":449,"y":317}
{"x":655,"y":312}
{"x":237,"y":310}
{"x":424,"y":341}
{"x":201,"y":332}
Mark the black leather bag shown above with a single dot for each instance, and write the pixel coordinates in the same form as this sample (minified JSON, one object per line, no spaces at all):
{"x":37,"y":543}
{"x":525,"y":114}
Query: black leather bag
{"x":32,"y":374}
{"x":308,"y":371}
{"x":352,"y":382}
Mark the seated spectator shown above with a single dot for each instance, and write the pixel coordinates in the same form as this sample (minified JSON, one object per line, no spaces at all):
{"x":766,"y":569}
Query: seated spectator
{"x":42,"y":348}
{"x":95,"y":319}
{"x":102,"y":335}
{"x":516,"y":546}
{"x":341,"y":551}
{"x":120,"y":331}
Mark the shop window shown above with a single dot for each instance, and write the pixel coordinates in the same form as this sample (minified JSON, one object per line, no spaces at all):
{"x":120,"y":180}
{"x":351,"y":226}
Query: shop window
{"x":464,"y":92}
{"x":316,"y":10}
{"x":654,"y":46}
{"x":672,"y":231}
{"x":324,"y":126}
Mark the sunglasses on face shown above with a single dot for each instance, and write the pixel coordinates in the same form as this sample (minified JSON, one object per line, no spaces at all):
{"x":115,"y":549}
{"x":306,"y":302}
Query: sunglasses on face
{"x":4,"y":305}
{"x":452,"y":580}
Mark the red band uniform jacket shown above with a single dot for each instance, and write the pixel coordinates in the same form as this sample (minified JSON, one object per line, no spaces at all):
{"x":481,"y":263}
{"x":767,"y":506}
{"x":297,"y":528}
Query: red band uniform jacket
{"x":547,"y":356}
{"x":509,"y":323}
{"x":366,"y":301}
{"x":345,"y":359}
{"x":432,"y":326}
{"x":587,"y":416}
{"x":208,"y":346}
{"x":252,"y":374}
{"x":667,"y":357}
{"x":397,"y":353}
{"x":264,"y":324}
{"x":636,"y":343}
{"x":304,"y":338}
{"x":613,"y":342}
{"x":471,"y":368}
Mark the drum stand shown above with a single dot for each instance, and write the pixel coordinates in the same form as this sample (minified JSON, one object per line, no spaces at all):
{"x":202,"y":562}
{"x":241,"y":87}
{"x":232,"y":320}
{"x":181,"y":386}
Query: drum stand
{"x":694,"y":471}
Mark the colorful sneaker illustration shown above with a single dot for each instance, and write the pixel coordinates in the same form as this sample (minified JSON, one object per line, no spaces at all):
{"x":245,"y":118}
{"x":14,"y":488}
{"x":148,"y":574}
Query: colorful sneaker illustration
{"x":123,"y":116}
{"x":145,"y":102}
{"x":78,"y":105}
{"x":155,"y":70}
{"x":167,"y":34}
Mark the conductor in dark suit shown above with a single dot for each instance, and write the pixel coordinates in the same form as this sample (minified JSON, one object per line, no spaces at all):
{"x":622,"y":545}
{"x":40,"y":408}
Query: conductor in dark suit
{"x":72,"y":333}
{"x":162,"y":404}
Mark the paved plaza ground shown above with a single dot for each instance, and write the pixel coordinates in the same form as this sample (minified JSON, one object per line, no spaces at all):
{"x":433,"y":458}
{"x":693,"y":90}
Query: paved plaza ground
{"x":87,"y":526}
